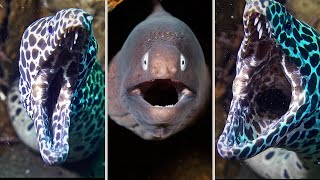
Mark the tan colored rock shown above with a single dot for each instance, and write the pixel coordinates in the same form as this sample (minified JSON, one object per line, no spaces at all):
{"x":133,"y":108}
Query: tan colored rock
{"x":306,"y":10}
{"x":22,"y":14}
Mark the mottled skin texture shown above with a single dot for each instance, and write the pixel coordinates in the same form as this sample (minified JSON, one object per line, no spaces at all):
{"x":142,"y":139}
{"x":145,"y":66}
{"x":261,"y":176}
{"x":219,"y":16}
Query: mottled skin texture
{"x":275,"y":95}
{"x":160,"y":64}
{"x":21,"y":122}
{"x":62,"y":86}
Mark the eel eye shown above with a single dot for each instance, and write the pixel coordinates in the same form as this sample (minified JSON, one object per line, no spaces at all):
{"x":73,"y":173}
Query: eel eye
{"x":145,"y":60}
{"x":183,"y":63}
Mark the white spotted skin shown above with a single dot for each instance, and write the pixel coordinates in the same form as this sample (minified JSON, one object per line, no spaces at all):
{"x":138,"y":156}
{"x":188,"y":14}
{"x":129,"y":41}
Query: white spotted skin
{"x":20,"y":120}
{"x":281,"y":161}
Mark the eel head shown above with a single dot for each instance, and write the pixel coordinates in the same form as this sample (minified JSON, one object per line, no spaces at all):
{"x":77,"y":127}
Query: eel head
{"x":164,"y":93}
{"x":274,"y":92}
{"x":55,"y":56}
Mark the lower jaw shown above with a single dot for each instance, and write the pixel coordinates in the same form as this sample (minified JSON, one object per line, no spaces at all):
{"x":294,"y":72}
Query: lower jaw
{"x":51,"y":118}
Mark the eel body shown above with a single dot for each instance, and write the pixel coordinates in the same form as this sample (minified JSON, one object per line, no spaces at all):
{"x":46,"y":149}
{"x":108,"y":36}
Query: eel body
{"x":61,"y":88}
{"x":274,"y":115}
{"x":158,"y":82}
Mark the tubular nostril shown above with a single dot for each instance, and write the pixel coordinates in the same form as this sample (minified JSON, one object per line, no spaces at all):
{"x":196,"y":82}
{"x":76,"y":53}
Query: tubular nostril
{"x":173,"y":70}
{"x":89,"y":18}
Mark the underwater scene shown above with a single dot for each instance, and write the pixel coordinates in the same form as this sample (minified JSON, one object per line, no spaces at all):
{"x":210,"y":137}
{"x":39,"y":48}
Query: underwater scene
{"x":159,"y":90}
{"x":267,"y":89}
{"x":52,"y":88}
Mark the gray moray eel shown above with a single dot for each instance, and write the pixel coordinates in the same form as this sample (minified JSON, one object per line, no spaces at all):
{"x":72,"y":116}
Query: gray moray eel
{"x":158,"y":83}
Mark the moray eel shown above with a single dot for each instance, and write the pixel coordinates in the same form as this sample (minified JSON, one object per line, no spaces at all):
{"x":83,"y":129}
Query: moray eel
{"x":61,"y":88}
{"x":158,"y":82}
{"x":275,"y":94}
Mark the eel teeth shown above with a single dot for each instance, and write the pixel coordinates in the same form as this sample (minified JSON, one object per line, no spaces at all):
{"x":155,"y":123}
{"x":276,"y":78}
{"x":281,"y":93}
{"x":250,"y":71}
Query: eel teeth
{"x":260,"y":34}
{"x":259,"y":26}
{"x":75,"y":37}
{"x":256,"y":21}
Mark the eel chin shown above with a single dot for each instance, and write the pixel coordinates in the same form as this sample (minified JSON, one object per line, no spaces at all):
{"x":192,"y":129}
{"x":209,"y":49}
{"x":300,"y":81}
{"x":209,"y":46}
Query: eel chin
{"x":158,"y":103}
{"x":267,"y":90}
{"x":53,"y":93}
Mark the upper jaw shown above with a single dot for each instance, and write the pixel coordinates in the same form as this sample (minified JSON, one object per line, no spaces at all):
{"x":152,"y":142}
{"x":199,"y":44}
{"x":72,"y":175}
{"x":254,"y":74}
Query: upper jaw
{"x":259,"y":6}
{"x":70,"y":40}
{"x":257,"y":26}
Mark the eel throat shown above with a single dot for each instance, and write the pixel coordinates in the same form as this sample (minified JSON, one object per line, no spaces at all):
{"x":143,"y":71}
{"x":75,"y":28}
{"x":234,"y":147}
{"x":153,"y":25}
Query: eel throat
{"x":53,"y":89}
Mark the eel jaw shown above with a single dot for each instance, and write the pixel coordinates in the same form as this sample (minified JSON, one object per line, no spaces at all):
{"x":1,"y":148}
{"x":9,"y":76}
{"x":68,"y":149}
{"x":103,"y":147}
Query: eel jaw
{"x":164,"y":104}
{"x":52,"y":93}
{"x":265,"y":77}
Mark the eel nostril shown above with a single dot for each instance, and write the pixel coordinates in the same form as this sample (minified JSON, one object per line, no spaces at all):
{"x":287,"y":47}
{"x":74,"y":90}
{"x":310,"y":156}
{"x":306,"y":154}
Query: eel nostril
{"x":89,"y":18}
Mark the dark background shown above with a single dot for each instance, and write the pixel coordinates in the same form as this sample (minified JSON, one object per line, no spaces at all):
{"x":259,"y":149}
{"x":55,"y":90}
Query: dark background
{"x":187,"y":155}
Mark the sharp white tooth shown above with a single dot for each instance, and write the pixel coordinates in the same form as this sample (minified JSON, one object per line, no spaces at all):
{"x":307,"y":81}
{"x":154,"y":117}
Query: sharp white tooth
{"x":260,"y":34}
{"x":75,"y":38}
{"x":65,"y":35}
{"x":136,"y":91}
{"x":256,"y":21}
{"x":259,"y":26}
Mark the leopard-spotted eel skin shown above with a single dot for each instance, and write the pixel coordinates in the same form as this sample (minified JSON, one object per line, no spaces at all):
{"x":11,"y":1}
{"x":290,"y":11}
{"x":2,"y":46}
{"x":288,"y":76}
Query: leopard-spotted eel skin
{"x":274,"y":117}
{"x":61,"y":88}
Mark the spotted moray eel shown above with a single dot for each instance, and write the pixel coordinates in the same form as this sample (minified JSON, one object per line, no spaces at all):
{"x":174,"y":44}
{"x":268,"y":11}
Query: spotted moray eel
{"x":158,"y":82}
{"x":274,"y":118}
{"x":61,"y":88}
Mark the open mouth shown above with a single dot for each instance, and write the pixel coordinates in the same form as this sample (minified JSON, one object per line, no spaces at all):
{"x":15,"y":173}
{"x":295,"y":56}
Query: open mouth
{"x":162,"y":92}
{"x":53,"y":90}
{"x":267,"y":91}
{"x":64,"y":62}
{"x":269,"y":84}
